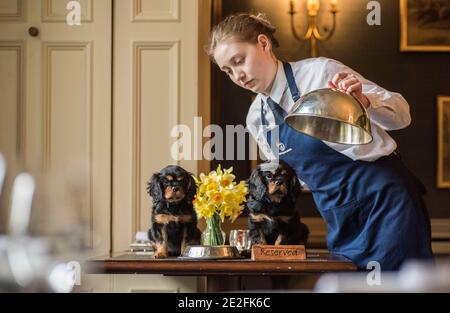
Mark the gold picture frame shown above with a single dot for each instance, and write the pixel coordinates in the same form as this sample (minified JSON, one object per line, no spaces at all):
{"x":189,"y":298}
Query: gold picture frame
{"x":425,"y":25}
{"x":443,"y":159}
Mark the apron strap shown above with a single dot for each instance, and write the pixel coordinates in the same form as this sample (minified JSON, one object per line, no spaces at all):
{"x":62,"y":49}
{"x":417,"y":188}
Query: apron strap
{"x":291,"y":81}
{"x":292,"y":88}
{"x":263,"y":117}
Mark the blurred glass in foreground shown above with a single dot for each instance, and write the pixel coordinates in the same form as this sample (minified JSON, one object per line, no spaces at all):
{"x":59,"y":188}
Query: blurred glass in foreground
{"x":414,"y":276}
{"x":41,"y":249}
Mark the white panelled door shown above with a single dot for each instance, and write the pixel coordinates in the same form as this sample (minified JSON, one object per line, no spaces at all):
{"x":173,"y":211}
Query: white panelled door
{"x":55,"y":106}
{"x":64,"y":100}
{"x":155,"y":88}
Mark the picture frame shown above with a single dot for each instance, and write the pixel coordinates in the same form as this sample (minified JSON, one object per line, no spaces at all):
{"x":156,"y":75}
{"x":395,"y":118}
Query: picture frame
{"x":425,"y":25}
{"x":443,"y":156}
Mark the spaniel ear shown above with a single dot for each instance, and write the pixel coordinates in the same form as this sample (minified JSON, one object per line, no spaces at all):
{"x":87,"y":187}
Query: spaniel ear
{"x":191,"y":188}
{"x":154,"y":188}
{"x":295,"y":186}
{"x":256,"y":187}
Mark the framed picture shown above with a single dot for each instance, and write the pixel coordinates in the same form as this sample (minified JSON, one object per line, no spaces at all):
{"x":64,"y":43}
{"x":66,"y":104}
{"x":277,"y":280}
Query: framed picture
{"x":425,"y":25}
{"x":443,"y":167}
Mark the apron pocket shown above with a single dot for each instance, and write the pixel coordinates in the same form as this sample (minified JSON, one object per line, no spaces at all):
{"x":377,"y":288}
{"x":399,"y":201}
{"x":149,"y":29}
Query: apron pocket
{"x":346,"y":226}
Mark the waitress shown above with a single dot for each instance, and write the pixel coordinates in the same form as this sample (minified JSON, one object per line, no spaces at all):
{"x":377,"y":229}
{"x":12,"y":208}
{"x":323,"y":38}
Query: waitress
{"x":372,"y":204}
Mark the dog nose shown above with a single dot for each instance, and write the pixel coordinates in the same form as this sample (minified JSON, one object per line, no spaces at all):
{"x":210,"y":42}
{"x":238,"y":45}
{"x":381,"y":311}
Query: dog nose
{"x":278,"y":182}
{"x":175,"y":189}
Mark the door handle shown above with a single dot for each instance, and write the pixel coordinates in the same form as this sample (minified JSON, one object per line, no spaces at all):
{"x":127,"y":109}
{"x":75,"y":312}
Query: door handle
{"x":33,"y":31}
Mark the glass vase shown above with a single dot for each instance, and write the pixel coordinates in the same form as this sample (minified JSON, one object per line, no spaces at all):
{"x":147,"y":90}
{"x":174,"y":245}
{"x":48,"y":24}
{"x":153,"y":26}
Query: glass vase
{"x":213,"y":235}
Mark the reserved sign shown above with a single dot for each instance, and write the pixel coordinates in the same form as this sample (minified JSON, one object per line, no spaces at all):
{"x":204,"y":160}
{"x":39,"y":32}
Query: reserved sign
{"x":270,"y":252}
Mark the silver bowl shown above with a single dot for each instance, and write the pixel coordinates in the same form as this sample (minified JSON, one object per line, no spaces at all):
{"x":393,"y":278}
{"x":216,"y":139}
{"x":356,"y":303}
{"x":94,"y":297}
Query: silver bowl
{"x":331,"y":115}
{"x":211,"y":252}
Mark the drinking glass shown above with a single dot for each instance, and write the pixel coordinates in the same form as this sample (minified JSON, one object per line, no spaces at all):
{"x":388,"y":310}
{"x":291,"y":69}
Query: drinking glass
{"x":240,"y":238}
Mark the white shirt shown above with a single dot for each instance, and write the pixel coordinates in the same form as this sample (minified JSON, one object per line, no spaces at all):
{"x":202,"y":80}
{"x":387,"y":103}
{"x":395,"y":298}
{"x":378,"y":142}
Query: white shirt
{"x":387,"y":110}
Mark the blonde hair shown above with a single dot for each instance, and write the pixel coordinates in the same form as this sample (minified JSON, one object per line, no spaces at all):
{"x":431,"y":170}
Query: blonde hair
{"x":243,"y":27}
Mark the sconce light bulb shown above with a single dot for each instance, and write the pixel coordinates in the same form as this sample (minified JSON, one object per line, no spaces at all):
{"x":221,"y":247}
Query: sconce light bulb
{"x":334,"y":6}
{"x":313,"y":6}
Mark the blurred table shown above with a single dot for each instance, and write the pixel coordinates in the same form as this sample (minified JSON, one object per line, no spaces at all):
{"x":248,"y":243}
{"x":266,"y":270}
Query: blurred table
{"x":221,"y":275}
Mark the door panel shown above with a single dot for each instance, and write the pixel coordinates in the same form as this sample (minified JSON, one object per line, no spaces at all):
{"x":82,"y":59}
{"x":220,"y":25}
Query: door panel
{"x":12,"y":94}
{"x":55,"y":10}
{"x":155,"y":111}
{"x":155,"y":10}
{"x":12,"y":11}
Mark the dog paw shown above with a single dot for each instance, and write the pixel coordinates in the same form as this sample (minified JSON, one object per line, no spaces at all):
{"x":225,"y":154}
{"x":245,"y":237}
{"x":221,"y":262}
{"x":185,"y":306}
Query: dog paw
{"x":160,"y":254}
{"x":281,"y":240}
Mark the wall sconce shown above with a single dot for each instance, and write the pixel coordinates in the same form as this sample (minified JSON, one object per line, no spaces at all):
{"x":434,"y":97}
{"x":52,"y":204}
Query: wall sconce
{"x":312,"y":34}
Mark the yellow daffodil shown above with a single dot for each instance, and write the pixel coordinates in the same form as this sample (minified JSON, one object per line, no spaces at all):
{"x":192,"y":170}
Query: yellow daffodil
{"x":218,"y":193}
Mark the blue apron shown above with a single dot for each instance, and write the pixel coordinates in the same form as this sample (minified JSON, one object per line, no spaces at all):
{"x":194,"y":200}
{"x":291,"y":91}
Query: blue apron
{"x":374,"y":211}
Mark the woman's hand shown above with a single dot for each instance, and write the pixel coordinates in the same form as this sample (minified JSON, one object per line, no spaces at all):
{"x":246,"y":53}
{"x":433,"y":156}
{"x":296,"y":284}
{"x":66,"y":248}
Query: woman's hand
{"x":349,"y":84}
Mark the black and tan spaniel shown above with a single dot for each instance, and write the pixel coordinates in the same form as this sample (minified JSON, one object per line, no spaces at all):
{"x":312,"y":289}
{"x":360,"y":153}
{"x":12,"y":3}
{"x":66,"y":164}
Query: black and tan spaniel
{"x":174,"y":221}
{"x":273,"y":219}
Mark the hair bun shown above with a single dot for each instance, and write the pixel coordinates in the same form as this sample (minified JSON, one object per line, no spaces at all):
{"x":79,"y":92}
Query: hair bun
{"x":244,"y":27}
{"x":262,"y":18}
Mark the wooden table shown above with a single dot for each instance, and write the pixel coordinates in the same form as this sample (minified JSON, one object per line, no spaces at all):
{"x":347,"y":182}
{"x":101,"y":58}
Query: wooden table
{"x":221,"y":275}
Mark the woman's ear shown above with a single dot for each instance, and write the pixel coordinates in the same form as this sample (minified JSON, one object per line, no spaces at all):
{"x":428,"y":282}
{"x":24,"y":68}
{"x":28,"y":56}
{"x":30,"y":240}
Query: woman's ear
{"x":264,"y":42}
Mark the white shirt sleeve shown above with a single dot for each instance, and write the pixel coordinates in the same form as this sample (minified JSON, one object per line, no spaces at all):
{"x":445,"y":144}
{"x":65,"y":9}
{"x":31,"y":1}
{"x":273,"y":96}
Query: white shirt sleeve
{"x":389,"y":110}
